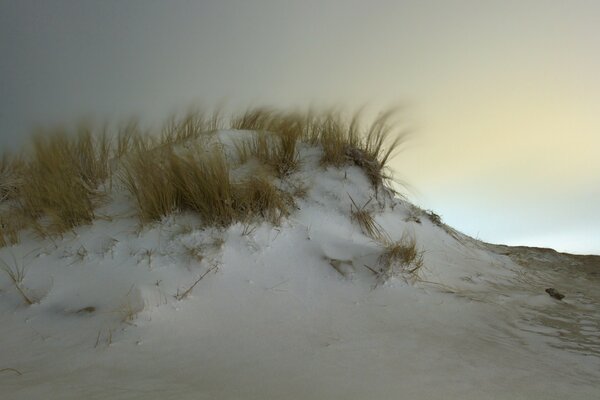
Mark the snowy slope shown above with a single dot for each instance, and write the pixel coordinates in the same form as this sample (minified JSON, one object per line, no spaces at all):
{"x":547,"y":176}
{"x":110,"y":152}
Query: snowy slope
{"x":268,"y":316}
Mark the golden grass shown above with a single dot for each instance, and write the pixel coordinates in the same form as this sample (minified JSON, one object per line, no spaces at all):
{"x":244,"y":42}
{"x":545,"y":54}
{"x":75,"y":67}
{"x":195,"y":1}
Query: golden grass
{"x":344,"y":140}
{"x":146,"y":175}
{"x":62,"y":177}
{"x":11,"y":176}
{"x":400,"y":258}
{"x":59,"y":184}
{"x":277,"y":134}
{"x":277,"y":152}
{"x":11,"y":224}
{"x":190,"y":126}
{"x":370,"y":148}
{"x":203,"y":185}
{"x":260,"y":198}
{"x":199,"y":181}
{"x":365,"y":220}
{"x":129,"y":138}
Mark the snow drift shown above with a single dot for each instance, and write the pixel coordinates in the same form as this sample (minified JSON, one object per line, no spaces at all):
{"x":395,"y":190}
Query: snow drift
{"x":307,"y":309}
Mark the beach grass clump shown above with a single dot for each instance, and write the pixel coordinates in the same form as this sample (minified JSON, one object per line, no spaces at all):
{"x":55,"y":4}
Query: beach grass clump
{"x":258,"y":197}
{"x":276,"y":138}
{"x":59,"y":190}
{"x":146,"y":175}
{"x":344,"y":140}
{"x":179,"y":130}
{"x":200,"y":181}
{"x":401,"y":257}
{"x":348,"y":142}
{"x":202,"y":184}
{"x":365,"y":220}
{"x":11,"y":176}
{"x":58,"y":185}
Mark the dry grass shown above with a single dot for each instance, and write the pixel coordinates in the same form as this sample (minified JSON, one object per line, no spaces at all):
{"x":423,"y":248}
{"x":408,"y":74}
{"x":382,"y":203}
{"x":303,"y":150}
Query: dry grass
{"x":130,"y":137}
{"x":180,"y":296}
{"x":11,"y":179}
{"x":347,"y":142}
{"x":277,"y":136}
{"x":59,"y":184}
{"x":277,"y":152}
{"x":11,"y":176}
{"x":344,"y":140}
{"x":365,"y":220}
{"x":400,"y":258}
{"x":147,"y":177}
{"x":16,"y":274}
{"x":190,"y":126}
{"x":338,"y":137}
{"x":11,"y":223}
{"x":258,"y":197}
{"x":200,"y":181}
{"x":202,"y":184}
{"x":60,"y":190}
{"x":435,"y":219}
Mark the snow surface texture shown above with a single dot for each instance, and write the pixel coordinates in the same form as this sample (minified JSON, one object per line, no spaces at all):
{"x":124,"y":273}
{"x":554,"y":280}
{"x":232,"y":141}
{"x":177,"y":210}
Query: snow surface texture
{"x":271,"y":318}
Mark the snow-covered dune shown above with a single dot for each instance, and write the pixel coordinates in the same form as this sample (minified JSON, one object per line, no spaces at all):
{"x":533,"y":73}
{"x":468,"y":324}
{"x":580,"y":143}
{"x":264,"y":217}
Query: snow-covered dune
{"x":176,"y":310}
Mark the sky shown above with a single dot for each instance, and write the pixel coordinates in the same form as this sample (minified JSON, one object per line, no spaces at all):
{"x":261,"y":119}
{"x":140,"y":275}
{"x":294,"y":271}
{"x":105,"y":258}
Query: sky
{"x":502,"y":97}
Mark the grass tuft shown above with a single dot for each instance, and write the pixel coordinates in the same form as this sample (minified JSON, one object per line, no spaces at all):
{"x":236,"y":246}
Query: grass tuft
{"x":181,"y":130}
{"x":11,"y":176}
{"x":60,"y":183}
{"x":60,"y":190}
{"x":147,"y":177}
{"x":260,"y":198}
{"x":344,"y":140}
{"x":202,"y":184}
{"x":400,"y":258}
{"x":276,"y":151}
{"x":365,"y":220}
{"x":16,"y":274}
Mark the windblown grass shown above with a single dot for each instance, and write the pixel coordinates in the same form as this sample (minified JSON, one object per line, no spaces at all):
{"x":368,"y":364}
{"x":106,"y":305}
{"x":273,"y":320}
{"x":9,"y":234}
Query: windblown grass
{"x":200,"y":181}
{"x":129,"y":138}
{"x":258,"y":197}
{"x":277,"y":152}
{"x":60,"y":190}
{"x":365,"y":220}
{"x":277,"y":136}
{"x":202,"y":184}
{"x":11,"y":176}
{"x":344,"y":140}
{"x":146,"y":175}
{"x":11,"y":223}
{"x":58,"y":185}
{"x":190,"y":126}
{"x":347,"y":142}
{"x":400,"y":258}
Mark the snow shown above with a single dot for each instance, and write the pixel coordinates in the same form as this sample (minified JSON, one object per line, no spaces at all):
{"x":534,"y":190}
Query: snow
{"x":271,"y":318}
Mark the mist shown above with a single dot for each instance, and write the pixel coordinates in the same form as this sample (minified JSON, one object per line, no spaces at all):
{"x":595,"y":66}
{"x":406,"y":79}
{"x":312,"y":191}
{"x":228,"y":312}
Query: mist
{"x":502,"y":97}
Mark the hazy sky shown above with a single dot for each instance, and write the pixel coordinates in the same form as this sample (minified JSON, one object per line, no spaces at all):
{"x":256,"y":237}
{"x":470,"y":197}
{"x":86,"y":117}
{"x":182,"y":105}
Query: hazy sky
{"x":504,"y":95}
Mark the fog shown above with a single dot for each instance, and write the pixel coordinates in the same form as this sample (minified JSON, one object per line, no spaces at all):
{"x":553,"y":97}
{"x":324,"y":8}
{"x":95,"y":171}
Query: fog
{"x":502,"y":97}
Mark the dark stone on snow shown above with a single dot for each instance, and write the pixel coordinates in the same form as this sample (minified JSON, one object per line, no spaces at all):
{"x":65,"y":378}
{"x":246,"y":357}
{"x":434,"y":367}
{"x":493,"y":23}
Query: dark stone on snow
{"x":554,"y":293}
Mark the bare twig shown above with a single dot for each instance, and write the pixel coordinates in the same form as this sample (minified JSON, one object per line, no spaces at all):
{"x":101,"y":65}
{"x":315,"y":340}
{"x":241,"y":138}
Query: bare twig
{"x":16,"y":275}
{"x":98,"y":338}
{"x":16,"y":371}
{"x":371,"y":269}
{"x":183,"y":295}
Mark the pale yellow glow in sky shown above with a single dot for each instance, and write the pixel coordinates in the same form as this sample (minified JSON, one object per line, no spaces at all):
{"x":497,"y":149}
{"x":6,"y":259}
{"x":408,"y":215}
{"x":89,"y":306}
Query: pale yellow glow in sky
{"x":504,"y":95}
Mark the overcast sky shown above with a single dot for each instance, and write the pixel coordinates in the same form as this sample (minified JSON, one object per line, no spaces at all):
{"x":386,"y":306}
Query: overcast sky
{"x":504,"y":96}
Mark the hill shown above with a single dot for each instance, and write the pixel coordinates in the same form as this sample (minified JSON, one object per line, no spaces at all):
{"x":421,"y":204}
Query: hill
{"x":270,"y":260}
